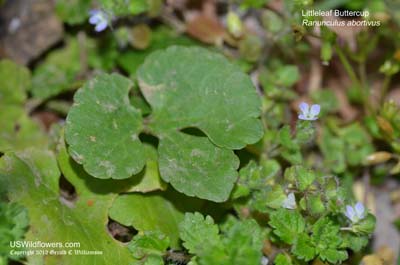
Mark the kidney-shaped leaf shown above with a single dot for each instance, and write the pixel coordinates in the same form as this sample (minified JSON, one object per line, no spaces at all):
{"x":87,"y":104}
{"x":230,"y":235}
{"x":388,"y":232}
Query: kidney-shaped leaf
{"x":193,"y":87}
{"x":102,"y":129}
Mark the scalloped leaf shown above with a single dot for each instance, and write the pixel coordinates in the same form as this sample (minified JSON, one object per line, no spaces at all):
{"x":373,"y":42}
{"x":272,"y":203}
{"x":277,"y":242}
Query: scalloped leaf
{"x":193,"y":87}
{"x":190,"y":164}
{"x":102,"y":129}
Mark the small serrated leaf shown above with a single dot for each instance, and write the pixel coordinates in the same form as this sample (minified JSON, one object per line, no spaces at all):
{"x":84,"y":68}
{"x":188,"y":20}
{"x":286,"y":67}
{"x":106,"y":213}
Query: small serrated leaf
{"x":198,"y":233}
{"x":149,"y":245}
{"x":287,"y":224}
{"x":303,"y":248}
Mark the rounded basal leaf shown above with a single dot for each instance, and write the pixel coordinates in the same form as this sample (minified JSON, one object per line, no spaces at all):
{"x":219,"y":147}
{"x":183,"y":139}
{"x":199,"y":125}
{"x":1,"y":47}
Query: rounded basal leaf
{"x":102,"y":129}
{"x":196,"y":167}
{"x":193,"y":87}
{"x":14,"y":81}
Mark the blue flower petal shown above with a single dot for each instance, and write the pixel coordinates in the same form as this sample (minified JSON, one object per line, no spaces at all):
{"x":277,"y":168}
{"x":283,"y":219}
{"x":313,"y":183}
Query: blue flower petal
{"x":304,"y":108}
{"x":315,"y":109}
{"x":94,"y":19}
{"x":101,"y":26}
{"x":350,"y":213}
{"x":303,"y":117}
{"x":360,"y":210}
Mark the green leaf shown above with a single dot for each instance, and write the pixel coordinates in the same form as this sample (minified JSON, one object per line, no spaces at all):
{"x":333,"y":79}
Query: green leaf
{"x":15,"y":80}
{"x":357,"y":144}
{"x":327,"y":240}
{"x":18,"y":131}
{"x":272,"y":21}
{"x":251,"y":3}
{"x":102,"y":129}
{"x":32,"y":179}
{"x":227,"y":106}
{"x":243,"y":242}
{"x":353,"y":241}
{"x":327,"y":99}
{"x":249,"y":177}
{"x":73,"y":11}
{"x":315,"y":204}
{"x":282,"y":259}
{"x":291,"y":149}
{"x":303,"y":248}
{"x":365,"y":225}
{"x":62,"y":66}
{"x":333,"y":255}
{"x":149,"y":178}
{"x":301,"y":176}
{"x":123,"y":7}
{"x":333,"y":149}
{"x":196,"y":167}
{"x":287,"y":224}
{"x":149,"y":246}
{"x":305,"y":177}
{"x":274,"y":196}
{"x":14,"y":222}
{"x":198,"y":233}
{"x":287,"y":75}
{"x":102,"y":126}
{"x":240,"y":243}
{"x":160,"y":213}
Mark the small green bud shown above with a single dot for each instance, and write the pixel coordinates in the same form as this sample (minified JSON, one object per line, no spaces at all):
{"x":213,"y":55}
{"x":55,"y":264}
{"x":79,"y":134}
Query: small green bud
{"x":326,"y":52}
{"x":235,"y":25}
{"x":389,"y":68}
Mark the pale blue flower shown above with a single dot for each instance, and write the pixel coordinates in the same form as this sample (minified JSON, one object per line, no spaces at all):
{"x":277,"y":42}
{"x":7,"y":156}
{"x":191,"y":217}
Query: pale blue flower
{"x":289,"y":202}
{"x":307,"y":113}
{"x":100,"y":19}
{"x":355,"y":213}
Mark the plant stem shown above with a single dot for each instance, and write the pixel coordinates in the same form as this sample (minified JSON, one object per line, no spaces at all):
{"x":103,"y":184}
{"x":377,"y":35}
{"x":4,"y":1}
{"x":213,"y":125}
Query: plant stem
{"x":385,"y":87}
{"x":347,"y":66}
{"x":353,"y":77}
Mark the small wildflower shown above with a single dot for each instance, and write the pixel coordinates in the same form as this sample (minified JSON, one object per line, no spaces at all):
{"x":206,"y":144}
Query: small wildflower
{"x":289,"y":202}
{"x":100,"y":19}
{"x":307,"y":113}
{"x":355,"y":213}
